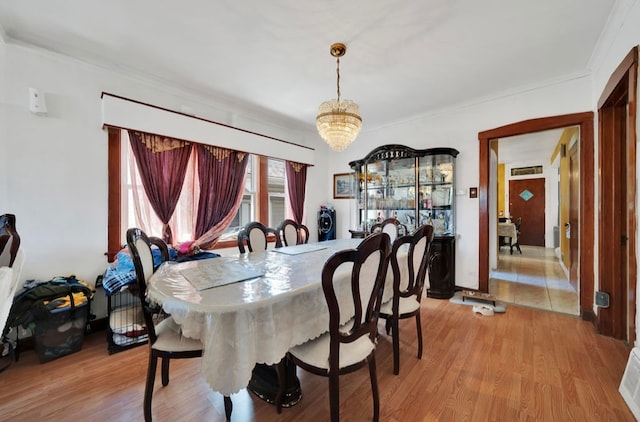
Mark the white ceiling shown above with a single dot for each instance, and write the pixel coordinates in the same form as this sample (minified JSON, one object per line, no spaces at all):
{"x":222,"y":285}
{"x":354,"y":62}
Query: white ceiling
{"x":529,"y":148}
{"x":404,"y":58}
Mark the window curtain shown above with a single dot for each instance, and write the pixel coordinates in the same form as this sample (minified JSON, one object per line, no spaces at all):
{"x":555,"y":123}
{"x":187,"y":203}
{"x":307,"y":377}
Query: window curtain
{"x":183,"y":220}
{"x":162,"y":163}
{"x":221,"y":173}
{"x":296,"y":182}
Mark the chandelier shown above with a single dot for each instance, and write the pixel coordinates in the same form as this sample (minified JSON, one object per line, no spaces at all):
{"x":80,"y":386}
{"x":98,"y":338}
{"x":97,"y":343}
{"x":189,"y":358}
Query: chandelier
{"x":338,"y":122}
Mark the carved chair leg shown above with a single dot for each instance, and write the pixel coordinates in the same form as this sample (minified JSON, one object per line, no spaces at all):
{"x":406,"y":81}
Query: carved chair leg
{"x":396,"y":346}
{"x":148,"y":389}
{"x":228,"y":407}
{"x":334,"y":395}
{"x":165,"y":371}
{"x":374,"y":387}
{"x":419,"y":327}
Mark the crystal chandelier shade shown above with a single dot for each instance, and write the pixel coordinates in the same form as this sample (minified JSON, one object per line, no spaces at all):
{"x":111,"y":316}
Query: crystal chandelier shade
{"x":338,"y":121}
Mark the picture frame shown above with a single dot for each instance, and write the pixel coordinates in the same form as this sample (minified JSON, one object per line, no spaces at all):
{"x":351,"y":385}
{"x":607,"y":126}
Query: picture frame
{"x":343,"y":185}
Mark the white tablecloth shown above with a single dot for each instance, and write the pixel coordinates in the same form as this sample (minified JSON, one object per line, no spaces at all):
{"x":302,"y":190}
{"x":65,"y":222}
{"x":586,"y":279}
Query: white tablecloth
{"x":253,"y":321}
{"x":508,"y":230}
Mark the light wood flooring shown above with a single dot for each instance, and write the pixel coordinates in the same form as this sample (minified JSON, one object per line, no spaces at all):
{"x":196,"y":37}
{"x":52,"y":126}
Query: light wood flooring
{"x":534,"y":279}
{"x":523,"y":365}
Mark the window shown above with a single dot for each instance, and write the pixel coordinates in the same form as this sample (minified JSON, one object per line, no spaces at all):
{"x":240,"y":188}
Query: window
{"x":276,"y":184}
{"x":247,"y":208}
{"x":137,"y":212}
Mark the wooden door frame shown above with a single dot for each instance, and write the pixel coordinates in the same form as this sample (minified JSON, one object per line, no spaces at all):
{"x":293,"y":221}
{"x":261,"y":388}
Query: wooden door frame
{"x":585,"y":122}
{"x":615,"y":321}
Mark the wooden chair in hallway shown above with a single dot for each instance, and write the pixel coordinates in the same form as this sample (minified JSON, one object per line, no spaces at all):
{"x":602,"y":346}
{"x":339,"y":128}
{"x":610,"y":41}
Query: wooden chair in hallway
{"x":517,"y":222}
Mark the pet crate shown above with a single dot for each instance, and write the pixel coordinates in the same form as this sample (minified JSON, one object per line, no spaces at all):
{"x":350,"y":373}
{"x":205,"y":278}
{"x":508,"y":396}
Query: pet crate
{"x":126,"y":328}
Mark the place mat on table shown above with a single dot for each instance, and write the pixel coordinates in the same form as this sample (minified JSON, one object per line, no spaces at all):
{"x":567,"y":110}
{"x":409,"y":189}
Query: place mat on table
{"x":299,"y":249}
{"x":218,"y":272}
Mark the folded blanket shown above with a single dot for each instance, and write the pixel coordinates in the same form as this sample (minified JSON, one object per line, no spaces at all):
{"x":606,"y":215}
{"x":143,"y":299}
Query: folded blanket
{"x":114,"y":280}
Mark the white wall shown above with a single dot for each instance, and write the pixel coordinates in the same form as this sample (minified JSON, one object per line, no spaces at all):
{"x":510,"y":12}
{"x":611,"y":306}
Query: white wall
{"x":53,"y":168}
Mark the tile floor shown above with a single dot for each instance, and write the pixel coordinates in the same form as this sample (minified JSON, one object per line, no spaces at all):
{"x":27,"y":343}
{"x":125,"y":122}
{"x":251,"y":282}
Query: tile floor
{"x":534,"y":279}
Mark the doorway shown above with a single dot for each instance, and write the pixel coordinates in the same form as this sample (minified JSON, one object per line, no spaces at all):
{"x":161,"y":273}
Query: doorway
{"x":617,"y":212}
{"x":527,"y":199}
{"x":586,"y":213}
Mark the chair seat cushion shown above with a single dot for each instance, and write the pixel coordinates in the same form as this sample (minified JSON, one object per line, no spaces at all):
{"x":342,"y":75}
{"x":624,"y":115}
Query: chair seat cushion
{"x":316,"y":352}
{"x":170,"y":338}
{"x":406,"y":305}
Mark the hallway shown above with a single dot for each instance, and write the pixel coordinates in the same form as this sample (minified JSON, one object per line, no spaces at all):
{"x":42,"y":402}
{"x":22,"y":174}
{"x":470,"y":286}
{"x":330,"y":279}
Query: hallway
{"x":535,"y":280}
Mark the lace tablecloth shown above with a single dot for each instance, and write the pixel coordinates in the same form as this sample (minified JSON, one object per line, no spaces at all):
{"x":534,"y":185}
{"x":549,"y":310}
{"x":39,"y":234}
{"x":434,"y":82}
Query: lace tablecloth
{"x":507,"y":230}
{"x":256,"y":320}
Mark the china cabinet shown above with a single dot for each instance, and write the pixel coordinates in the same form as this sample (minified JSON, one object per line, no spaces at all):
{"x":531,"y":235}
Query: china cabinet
{"x":415,"y":186}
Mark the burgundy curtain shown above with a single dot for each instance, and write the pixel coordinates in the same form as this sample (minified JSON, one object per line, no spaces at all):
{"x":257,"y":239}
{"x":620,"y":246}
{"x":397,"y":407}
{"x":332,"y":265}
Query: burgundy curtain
{"x":162,"y":163}
{"x":296,"y":183}
{"x":221,"y":173}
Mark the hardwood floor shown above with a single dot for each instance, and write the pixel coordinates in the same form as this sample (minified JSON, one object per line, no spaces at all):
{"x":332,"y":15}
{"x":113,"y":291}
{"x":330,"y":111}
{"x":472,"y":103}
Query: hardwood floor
{"x":522,"y":365}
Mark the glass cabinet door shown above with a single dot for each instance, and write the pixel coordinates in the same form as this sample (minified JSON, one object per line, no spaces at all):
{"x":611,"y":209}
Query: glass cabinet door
{"x":388,"y":190}
{"x":436,"y":193}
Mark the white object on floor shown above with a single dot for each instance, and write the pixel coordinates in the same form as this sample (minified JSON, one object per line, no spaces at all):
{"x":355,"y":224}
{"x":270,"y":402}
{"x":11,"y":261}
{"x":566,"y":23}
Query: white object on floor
{"x":499,"y":307}
{"x":485,"y":310}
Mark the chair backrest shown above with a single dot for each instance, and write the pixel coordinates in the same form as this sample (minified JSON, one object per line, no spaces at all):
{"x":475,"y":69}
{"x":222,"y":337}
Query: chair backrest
{"x":255,"y":236}
{"x":390,"y":226}
{"x":517,"y":223}
{"x":9,"y":281}
{"x":292,"y":233}
{"x":9,"y":240}
{"x":140,"y":249}
{"x":362,"y":295}
{"x":417,"y":262}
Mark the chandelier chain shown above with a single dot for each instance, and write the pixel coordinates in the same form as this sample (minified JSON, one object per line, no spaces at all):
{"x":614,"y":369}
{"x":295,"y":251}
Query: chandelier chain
{"x":338,"y":78}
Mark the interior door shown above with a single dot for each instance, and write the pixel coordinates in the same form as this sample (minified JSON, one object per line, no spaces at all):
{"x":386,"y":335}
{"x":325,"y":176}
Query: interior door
{"x":527,"y":200}
{"x":574,"y":215}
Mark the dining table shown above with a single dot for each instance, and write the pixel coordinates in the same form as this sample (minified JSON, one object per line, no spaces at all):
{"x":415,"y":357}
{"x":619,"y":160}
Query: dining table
{"x":251,"y":308}
{"x":508,"y":229}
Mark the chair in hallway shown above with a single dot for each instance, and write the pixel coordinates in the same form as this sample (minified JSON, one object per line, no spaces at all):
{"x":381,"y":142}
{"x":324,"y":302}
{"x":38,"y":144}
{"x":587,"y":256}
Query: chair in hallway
{"x":390,"y":226}
{"x":255,"y":236}
{"x":292,"y":233}
{"x":349,"y":346}
{"x":165,"y":339}
{"x":517,"y":222}
{"x":407,"y":293}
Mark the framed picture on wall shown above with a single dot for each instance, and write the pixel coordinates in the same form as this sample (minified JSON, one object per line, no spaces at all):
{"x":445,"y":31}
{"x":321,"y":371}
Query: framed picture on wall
{"x":343,"y":185}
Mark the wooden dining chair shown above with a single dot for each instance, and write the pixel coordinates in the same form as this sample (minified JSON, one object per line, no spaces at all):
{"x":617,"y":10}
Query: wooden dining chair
{"x":517,"y":223}
{"x":407,"y":292}
{"x":9,"y":240}
{"x":349,"y":346}
{"x":390,"y":226}
{"x":255,"y":236}
{"x":292,"y":233}
{"x":165,"y":339}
